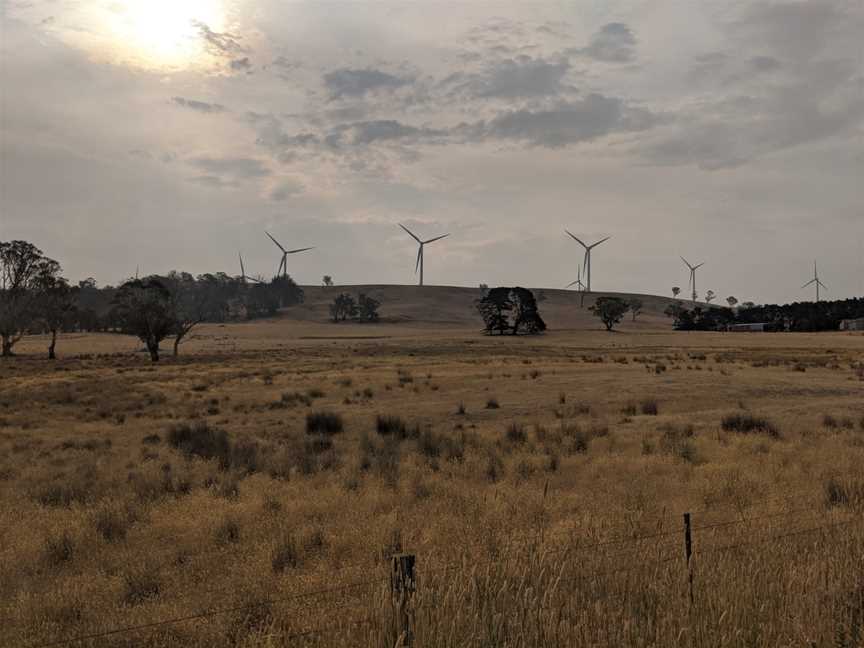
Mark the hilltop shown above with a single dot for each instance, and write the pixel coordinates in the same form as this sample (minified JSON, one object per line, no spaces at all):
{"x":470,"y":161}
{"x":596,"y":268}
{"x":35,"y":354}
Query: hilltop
{"x":454,"y":306}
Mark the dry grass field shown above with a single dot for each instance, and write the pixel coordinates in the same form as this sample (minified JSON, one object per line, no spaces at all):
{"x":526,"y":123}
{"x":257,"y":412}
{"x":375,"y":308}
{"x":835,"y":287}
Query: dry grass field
{"x":253,"y":491}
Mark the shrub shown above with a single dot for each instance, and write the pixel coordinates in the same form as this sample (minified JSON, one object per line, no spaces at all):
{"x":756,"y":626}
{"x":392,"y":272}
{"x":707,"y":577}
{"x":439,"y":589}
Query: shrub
{"x":649,"y":407}
{"x":292,"y":399}
{"x":228,"y":531}
{"x":110,"y":524}
{"x":201,"y":440}
{"x":461,"y":409}
{"x":629,"y":409}
{"x":315,"y":392}
{"x":388,"y":425}
{"x":834,"y":423}
{"x":492,"y":403}
{"x":141,"y":585}
{"x":323,"y":422}
{"x":286,"y":554}
{"x":840,"y":493}
{"x":516,"y":434}
{"x":747,"y":423}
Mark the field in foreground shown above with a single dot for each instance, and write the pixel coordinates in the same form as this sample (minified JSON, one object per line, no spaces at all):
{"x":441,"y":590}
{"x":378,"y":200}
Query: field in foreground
{"x":252,"y":492}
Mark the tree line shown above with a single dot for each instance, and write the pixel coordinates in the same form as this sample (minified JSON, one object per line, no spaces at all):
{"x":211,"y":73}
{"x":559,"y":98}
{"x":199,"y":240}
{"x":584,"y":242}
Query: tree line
{"x":35,"y":299}
{"x":797,"y":316}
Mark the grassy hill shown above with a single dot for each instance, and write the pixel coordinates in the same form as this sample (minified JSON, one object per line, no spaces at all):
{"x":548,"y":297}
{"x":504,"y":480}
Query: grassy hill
{"x":454,"y":306}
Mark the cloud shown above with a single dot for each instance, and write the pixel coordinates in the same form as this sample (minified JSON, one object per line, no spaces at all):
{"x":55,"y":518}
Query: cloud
{"x":241,"y":64}
{"x":369,"y":132}
{"x":285,"y":189}
{"x":228,"y":171}
{"x":220,"y":44}
{"x":200,"y":106}
{"x":614,"y":43}
{"x":513,"y":78}
{"x":568,"y":123}
{"x":211,"y":181}
{"x":357,"y":83}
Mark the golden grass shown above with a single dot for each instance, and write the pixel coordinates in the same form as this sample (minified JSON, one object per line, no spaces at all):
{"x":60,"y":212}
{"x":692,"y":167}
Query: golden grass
{"x":551,"y":520}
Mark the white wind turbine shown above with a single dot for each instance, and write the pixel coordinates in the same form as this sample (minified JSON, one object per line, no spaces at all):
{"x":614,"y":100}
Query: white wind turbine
{"x":580,"y":286}
{"x":815,"y":280}
{"x":283,"y":262}
{"x":587,"y":261}
{"x":419,"y":264}
{"x":243,"y":277}
{"x":693,"y":269}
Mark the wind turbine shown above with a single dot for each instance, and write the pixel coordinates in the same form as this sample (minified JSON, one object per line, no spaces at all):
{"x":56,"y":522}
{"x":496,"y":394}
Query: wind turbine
{"x":243,"y":276}
{"x":419,"y":264}
{"x":693,"y":269}
{"x":580,"y":286}
{"x":587,"y":261}
{"x":815,"y":280}
{"x":283,"y":263}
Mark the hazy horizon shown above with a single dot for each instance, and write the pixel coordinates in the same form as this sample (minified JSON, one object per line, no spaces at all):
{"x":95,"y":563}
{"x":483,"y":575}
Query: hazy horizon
{"x":169,"y":135}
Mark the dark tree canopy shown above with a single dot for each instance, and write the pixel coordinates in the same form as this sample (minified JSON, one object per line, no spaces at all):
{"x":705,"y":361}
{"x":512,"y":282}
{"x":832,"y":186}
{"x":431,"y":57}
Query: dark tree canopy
{"x":145,"y":308}
{"x":798,"y":316}
{"x":343,"y":307}
{"x":510,"y":310}
{"x":610,"y":310}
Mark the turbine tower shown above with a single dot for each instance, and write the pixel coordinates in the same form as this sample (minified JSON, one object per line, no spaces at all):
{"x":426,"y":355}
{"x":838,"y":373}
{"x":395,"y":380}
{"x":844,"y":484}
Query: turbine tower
{"x":283,"y":262}
{"x":815,"y":280}
{"x":587,"y":261}
{"x":243,"y":276}
{"x":580,"y":286}
{"x":693,"y":269}
{"x":419,"y":264}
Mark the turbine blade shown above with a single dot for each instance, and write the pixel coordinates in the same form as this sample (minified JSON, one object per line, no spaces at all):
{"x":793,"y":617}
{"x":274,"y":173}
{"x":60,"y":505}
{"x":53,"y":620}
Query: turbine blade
{"x":419,"y":254}
{"x":687,"y":263}
{"x":601,"y":241}
{"x":298,"y":250}
{"x":242,"y":269}
{"x":809,"y":283}
{"x":573,"y":283}
{"x":698,"y":266}
{"x":576,"y":238}
{"x":410,"y":232}
{"x":278,"y":244}
{"x":437,"y":238}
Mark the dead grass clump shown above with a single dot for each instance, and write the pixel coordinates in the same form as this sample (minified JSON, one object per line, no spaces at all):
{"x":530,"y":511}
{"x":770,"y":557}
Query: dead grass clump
{"x":324,"y":422}
{"x":228,"y":531}
{"x":291,"y":399}
{"x":404,"y":377}
{"x":676,"y":441}
{"x":629,"y":409}
{"x":843,"y":492}
{"x":111,"y":524}
{"x":285,"y":555}
{"x":151,"y":439}
{"x":65,"y":491}
{"x":315,"y":392}
{"x":833,"y":423}
{"x":141,"y":585}
{"x":492,"y":403}
{"x":59,"y":549}
{"x":433,"y":445}
{"x":516,"y":434}
{"x":494,"y":467}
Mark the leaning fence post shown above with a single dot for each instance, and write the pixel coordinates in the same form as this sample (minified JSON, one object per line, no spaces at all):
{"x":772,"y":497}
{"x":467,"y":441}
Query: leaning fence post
{"x":403,"y":585}
{"x":688,"y":553}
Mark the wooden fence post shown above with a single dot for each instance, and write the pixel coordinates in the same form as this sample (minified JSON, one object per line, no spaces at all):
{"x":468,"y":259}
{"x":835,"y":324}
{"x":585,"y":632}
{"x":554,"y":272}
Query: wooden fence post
{"x":403,"y":585}
{"x":688,"y":552}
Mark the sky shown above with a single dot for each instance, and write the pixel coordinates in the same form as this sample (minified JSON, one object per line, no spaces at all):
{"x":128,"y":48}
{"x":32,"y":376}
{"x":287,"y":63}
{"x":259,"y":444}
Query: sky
{"x":170,"y":134}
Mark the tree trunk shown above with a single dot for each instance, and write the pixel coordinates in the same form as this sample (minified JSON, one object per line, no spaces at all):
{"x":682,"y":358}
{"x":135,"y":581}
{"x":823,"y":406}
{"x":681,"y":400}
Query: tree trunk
{"x":7,"y":346}
{"x":51,"y":355}
{"x":177,"y":345}
{"x":153,"y":348}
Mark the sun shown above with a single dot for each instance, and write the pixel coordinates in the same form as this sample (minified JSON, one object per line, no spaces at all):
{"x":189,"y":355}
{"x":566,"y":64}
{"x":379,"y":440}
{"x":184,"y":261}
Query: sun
{"x":156,"y":34}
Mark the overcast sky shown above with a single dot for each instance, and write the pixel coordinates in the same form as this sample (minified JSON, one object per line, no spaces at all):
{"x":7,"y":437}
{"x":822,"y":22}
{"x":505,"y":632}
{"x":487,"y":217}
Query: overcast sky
{"x":171,"y":133}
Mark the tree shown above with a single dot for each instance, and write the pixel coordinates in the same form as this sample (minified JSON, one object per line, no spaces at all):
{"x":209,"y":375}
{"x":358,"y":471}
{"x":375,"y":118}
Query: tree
{"x":56,"y":302}
{"x":191,"y":302}
{"x":610,"y":310}
{"x":748,"y":305}
{"x":145,"y":308}
{"x":510,"y":309}
{"x":367,"y":308}
{"x":710,"y":296}
{"x":731,"y":301}
{"x":23,"y":268}
{"x":343,"y":307}
{"x":287,"y":290}
{"x":484,"y":290}
{"x":675,"y":291}
{"x":327,"y":281}
{"x":636,"y":306}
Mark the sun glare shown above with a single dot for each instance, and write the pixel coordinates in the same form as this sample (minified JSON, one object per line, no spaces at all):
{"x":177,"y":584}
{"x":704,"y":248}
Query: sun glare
{"x":161,"y":34}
